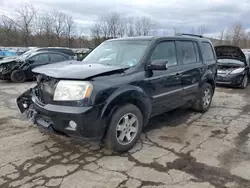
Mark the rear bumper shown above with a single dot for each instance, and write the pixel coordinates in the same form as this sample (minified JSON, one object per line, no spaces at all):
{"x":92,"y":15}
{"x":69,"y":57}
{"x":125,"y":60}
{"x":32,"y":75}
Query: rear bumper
{"x":57,"y":119}
{"x":227,"y":79}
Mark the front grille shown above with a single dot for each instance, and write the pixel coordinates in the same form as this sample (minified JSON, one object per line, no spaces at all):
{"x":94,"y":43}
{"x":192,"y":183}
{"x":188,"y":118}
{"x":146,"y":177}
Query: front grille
{"x":45,"y":90}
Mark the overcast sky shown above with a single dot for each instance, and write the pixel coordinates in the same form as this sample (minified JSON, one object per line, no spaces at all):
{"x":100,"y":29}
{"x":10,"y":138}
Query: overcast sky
{"x":183,"y":14}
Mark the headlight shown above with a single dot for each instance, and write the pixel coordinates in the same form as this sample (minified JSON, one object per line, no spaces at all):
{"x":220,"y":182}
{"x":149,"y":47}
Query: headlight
{"x":67,"y":90}
{"x":236,"y":71}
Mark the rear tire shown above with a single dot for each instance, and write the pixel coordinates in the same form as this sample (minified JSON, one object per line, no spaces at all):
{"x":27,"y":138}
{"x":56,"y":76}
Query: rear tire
{"x":124,"y":129}
{"x":244,"y":82}
{"x":18,"y":76}
{"x":204,"y":99}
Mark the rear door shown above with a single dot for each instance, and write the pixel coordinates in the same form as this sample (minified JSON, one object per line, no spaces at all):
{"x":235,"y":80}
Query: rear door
{"x":192,"y":69}
{"x":56,"y":57}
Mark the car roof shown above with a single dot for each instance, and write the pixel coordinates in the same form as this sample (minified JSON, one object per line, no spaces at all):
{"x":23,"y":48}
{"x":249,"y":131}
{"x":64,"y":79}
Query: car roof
{"x":156,"y":38}
{"x":48,"y":52}
{"x":52,"y":48}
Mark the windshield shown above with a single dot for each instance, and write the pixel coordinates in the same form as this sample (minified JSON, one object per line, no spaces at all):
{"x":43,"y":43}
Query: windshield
{"x":230,"y":61}
{"x":118,"y":53}
{"x":26,"y":54}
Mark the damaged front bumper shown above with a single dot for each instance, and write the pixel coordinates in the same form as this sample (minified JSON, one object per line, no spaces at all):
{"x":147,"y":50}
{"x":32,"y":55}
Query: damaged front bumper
{"x":77,"y":122}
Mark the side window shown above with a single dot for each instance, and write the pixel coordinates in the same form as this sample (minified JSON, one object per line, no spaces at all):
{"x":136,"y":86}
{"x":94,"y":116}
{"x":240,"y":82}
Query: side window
{"x":165,"y":50}
{"x":207,"y":51}
{"x":40,"y":58}
{"x":188,"y":52}
{"x":57,"y":58}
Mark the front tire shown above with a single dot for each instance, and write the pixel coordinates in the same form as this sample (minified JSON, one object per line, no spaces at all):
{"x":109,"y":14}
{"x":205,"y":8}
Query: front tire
{"x":18,"y":76}
{"x":124,"y":129}
{"x":244,"y":82}
{"x":203,"y":102}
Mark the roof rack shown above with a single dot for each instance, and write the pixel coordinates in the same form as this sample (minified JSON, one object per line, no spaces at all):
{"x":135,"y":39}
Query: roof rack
{"x":193,"y":35}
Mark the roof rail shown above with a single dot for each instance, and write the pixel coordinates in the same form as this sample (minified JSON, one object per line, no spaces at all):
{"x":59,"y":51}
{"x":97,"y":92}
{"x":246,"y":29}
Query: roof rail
{"x":193,"y":35}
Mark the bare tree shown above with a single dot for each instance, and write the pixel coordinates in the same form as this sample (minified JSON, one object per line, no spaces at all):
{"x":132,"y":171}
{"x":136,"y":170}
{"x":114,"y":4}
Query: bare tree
{"x":201,"y":29}
{"x":24,"y":17}
{"x":115,"y":24}
{"x":47,"y":29}
{"x":96,"y":32}
{"x":236,"y":33}
{"x":38,"y":25}
{"x":145,"y":25}
{"x":69,"y":29}
{"x":130,"y":27}
{"x":59,"y":23}
{"x":9,"y":29}
{"x":221,"y":37}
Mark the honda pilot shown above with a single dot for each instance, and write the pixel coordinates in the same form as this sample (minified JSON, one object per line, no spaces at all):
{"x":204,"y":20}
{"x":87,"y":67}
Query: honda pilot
{"x":119,"y":86}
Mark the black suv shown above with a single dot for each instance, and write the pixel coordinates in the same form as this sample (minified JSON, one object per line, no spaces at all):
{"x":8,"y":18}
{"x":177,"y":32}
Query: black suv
{"x":120,"y":85}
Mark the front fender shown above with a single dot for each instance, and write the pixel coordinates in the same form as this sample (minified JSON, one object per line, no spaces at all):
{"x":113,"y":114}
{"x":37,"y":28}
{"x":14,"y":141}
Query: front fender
{"x":128,"y":94}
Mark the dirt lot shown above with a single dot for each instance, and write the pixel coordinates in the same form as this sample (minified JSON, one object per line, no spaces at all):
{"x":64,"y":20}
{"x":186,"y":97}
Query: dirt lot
{"x":178,"y":149}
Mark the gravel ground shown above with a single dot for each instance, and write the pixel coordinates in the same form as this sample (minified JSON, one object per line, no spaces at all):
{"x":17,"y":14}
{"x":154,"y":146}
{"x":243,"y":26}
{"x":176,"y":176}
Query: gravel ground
{"x":178,"y":149}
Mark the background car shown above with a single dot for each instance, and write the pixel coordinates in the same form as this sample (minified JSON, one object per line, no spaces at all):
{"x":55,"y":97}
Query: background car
{"x":233,"y":66}
{"x":20,"y":69}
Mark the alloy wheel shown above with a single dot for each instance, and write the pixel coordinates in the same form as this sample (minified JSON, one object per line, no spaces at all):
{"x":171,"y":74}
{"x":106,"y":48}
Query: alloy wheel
{"x":207,"y":97}
{"x":127,"y":129}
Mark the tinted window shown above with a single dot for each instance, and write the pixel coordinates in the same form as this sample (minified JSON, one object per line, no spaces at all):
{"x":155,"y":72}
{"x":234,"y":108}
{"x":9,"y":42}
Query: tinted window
{"x":188,"y":52}
{"x":167,"y":51}
{"x":68,"y":52}
{"x":207,"y":51}
{"x":40,"y":58}
{"x":57,"y":57}
{"x":65,"y":51}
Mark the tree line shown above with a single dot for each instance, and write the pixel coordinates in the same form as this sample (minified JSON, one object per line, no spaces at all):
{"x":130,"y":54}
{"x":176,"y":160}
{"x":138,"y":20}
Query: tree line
{"x":30,"y":27}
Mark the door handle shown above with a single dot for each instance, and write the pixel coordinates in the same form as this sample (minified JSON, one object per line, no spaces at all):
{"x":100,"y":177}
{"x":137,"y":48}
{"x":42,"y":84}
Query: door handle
{"x":177,"y":75}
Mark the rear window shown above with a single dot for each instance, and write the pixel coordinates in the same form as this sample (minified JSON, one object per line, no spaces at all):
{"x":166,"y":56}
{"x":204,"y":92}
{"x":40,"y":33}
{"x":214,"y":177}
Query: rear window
{"x":207,"y":51}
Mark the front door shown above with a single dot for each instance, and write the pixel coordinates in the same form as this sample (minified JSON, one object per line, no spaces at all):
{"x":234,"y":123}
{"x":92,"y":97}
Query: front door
{"x":35,"y":61}
{"x":165,"y":86}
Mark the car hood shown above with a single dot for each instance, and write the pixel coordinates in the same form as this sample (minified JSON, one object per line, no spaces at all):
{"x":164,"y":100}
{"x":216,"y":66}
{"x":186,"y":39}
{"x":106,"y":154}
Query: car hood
{"x":4,"y":61}
{"x":76,"y":69}
{"x":230,"y":52}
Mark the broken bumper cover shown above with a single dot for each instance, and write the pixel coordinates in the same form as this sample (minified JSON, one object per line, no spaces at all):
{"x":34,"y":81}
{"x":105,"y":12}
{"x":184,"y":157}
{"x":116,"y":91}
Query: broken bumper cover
{"x":229,"y":79}
{"x":77,"y":122}
{"x":4,"y":76}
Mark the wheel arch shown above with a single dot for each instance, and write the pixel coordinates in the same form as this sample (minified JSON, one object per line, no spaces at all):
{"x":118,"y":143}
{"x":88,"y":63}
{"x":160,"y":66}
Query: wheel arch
{"x":209,"y":78}
{"x":132,"y":95}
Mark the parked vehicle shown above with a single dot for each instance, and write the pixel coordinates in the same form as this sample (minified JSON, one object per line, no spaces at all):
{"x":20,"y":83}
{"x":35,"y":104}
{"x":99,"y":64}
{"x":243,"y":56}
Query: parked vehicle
{"x":20,"y":69}
{"x":233,"y":67}
{"x":7,"y":53}
{"x":112,"y":100}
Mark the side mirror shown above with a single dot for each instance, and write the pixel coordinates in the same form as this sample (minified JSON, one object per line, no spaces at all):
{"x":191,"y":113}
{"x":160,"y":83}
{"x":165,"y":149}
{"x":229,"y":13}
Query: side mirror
{"x":30,"y":61}
{"x":160,"y":64}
